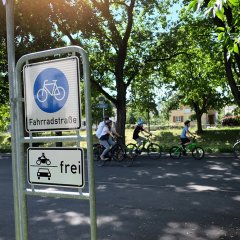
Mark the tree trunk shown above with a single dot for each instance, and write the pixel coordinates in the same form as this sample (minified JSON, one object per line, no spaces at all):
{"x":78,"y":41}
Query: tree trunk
{"x":121,"y":114}
{"x":199,"y":118}
{"x":232,"y":83}
{"x":199,"y":122}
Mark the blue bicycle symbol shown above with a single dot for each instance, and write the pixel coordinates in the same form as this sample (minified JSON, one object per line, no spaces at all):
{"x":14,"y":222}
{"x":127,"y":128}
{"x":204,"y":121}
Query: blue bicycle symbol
{"x":52,"y":89}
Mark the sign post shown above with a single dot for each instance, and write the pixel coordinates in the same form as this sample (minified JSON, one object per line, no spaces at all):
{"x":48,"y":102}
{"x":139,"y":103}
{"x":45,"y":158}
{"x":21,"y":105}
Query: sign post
{"x":102,"y":104}
{"x":19,"y":200}
{"x":52,"y":103}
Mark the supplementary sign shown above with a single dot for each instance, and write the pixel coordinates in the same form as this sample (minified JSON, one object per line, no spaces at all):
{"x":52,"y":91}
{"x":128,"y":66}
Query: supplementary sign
{"x":52,"y":100}
{"x":56,"y":166}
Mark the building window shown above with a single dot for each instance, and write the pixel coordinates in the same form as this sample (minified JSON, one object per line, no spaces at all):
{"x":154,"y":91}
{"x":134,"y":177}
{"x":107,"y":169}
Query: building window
{"x":187,"y":110}
{"x":177,"y":118}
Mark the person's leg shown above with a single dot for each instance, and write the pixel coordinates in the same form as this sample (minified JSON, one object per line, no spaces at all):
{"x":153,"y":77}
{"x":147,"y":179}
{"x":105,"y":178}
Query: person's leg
{"x":185,"y":141}
{"x":105,"y":151}
{"x":111,"y":142}
{"x":139,"y":141}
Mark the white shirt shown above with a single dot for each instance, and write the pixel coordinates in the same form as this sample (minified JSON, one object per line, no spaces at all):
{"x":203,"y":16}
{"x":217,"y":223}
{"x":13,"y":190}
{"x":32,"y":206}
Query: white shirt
{"x":99,"y":129}
{"x":105,"y":130}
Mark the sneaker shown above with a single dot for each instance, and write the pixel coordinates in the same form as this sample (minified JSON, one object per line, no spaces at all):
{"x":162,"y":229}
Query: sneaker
{"x":103,"y":158}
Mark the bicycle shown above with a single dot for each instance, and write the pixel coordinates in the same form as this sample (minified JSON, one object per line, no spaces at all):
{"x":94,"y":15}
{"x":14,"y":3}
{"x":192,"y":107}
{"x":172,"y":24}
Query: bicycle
{"x":196,"y":151}
{"x":117,"y":153}
{"x":236,"y":149}
{"x":153,"y":150}
{"x":52,"y":89}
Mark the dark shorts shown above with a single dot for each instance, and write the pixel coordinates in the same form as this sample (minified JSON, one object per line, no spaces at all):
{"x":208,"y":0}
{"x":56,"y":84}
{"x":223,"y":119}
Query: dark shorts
{"x":185,"y":140}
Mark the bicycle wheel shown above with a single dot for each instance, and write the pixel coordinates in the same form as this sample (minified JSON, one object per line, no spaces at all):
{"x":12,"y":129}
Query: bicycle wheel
{"x":118,"y":153}
{"x":101,"y":162}
{"x":236,"y":150}
{"x":97,"y":151}
{"x":154,"y":151}
{"x":198,"y":153}
{"x":175,"y":152}
{"x":131,"y":149}
{"x":127,"y":161}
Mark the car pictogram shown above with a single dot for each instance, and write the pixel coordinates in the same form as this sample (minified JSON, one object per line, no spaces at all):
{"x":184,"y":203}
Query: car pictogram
{"x":44,"y":172}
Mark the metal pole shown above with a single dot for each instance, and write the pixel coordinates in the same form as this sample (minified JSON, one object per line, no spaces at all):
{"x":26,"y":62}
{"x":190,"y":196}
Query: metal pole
{"x":20,"y":136}
{"x":87,"y":91}
{"x":11,"y":77}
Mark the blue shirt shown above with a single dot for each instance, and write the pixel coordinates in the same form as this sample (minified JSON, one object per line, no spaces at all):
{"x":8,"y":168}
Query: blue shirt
{"x":184,"y":132}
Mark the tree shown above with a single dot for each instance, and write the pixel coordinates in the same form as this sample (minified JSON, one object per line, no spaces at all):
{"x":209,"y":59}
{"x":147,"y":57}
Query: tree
{"x":226,"y":18}
{"x":193,"y":70}
{"x":143,"y":97}
{"x":117,"y":35}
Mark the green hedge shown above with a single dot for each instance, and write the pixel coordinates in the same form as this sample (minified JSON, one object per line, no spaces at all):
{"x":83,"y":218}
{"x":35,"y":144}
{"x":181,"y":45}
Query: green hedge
{"x":231,"y":121}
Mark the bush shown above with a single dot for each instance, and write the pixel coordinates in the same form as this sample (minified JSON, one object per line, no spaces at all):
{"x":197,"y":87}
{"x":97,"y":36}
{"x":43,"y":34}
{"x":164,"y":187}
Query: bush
{"x":231,"y":121}
{"x":5,"y":142}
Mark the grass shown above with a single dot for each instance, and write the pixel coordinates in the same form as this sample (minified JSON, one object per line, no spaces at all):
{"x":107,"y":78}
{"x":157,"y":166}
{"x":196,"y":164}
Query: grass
{"x":212,"y":140}
{"x":216,"y":140}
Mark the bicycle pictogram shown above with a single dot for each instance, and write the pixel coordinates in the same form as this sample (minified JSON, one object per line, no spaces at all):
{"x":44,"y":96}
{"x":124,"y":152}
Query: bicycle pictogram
{"x":52,"y":89}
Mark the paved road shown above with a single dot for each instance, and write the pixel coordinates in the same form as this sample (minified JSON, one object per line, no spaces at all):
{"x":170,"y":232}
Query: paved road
{"x":167,"y":199}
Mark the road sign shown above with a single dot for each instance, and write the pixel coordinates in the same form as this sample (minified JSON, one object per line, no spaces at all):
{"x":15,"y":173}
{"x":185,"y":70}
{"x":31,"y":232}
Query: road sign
{"x":52,"y":99}
{"x":102,"y":105}
{"x":56,"y":166}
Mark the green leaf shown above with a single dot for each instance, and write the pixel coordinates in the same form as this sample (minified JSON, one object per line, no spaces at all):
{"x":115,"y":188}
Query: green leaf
{"x":193,"y":5}
{"x":220,"y":36}
{"x":221,"y":29}
{"x":235,"y":48}
{"x":220,"y":15}
{"x":234,"y":2}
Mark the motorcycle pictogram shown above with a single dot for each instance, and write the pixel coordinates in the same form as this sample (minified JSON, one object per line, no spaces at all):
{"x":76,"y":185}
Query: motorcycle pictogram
{"x":43,"y":160}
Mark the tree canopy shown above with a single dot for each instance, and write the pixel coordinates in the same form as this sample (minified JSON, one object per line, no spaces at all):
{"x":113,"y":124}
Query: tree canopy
{"x":117,"y":35}
{"x":191,"y":66}
{"x":226,"y":18}
{"x":134,"y":49}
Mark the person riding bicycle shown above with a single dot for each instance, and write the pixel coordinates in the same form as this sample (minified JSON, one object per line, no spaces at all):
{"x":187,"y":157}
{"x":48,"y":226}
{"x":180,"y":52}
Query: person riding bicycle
{"x":101,"y":126}
{"x":106,"y":138}
{"x":184,"y":135}
{"x":139,"y":128}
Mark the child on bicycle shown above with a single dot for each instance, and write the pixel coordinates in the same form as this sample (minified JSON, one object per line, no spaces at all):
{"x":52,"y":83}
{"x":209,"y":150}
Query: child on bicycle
{"x":184,"y":134}
{"x":139,"y":128}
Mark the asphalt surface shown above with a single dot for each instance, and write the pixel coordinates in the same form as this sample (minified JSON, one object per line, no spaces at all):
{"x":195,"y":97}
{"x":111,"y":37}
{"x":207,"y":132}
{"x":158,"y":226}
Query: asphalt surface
{"x":165,"y":199}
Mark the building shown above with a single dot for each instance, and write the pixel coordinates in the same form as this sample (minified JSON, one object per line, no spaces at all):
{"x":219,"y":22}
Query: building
{"x":179,"y":116}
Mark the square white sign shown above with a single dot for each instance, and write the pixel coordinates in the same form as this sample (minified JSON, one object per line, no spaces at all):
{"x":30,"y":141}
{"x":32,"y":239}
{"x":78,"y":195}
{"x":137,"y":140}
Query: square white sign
{"x":56,"y":166}
{"x":52,"y":95}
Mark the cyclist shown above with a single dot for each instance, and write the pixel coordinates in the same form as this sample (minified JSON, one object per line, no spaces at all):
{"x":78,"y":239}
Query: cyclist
{"x":139,"y":128}
{"x":184,"y":135}
{"x":105,"y":138}
{"x":101,"y":126}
